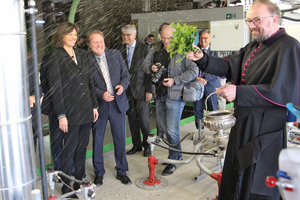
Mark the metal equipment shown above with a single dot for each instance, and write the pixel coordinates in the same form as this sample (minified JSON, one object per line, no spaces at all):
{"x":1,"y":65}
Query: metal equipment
{"x":86,"y":189}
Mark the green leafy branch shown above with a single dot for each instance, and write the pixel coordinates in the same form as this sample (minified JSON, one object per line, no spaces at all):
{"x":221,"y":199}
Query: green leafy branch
{"x":182,"y":40}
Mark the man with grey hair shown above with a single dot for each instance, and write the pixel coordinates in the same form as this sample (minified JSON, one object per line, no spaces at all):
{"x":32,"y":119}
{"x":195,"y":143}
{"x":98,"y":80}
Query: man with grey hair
{"x":139,"y":91}
{"x":265,"y":77}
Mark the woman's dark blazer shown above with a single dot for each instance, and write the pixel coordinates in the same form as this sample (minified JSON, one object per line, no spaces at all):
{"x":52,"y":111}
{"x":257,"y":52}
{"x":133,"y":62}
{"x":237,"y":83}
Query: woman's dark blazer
{"x":68,"y":87}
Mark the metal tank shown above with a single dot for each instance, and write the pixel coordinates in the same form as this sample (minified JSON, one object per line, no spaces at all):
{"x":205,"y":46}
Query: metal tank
{"x":17,"y":155}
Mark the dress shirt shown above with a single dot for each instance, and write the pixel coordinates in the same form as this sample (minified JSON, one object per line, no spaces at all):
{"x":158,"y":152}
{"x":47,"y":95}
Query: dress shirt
{"x":103,"y":58}
{"x":132,"y":51}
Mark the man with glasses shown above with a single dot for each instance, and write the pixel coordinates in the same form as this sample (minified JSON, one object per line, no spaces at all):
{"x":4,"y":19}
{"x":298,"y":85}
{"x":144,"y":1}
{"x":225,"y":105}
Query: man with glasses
{"x":265,"y":77}
{"x":139,"y":91}
{"x":210,"y":81}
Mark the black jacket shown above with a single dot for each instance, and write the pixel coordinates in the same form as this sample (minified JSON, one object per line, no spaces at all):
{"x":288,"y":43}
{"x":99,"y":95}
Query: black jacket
{"x":140,"y":82}
{"x":68,"y":87}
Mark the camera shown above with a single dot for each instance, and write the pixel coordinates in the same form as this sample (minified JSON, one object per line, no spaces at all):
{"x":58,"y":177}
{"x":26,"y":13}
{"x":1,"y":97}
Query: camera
{"x":158,"y":74}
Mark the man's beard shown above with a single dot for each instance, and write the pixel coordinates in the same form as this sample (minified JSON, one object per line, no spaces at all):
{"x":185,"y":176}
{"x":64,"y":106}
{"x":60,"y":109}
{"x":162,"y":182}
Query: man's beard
{"x":261,"y":37}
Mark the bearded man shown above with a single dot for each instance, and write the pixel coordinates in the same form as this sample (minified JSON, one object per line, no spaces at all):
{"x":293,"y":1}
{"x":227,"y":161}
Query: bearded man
{"x":265,"y":77}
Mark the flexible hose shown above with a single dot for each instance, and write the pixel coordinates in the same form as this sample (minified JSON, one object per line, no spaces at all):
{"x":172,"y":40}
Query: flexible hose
{"x":190,"y":159}
{"x":291,"y":9}
{"x":172,"y":145}
{"x":184,"y":152}
{"x":289,"y":18}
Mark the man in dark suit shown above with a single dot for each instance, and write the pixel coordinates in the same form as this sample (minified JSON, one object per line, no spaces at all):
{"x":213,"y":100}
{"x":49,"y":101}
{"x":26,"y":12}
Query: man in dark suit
{"x":149,"y":39}
{"x":111,"y":79}
{"x":139,"y":92}
{"x":211,"y":82}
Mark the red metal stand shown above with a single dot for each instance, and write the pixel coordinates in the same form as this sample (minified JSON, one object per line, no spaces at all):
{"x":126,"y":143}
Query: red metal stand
{"x":52,"y":197}
{"x":152,"y":180}
{"x":217,"y":177}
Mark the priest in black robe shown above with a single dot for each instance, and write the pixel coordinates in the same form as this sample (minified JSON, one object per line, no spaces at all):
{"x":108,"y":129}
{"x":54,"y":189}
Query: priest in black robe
{"x":265,"y":77}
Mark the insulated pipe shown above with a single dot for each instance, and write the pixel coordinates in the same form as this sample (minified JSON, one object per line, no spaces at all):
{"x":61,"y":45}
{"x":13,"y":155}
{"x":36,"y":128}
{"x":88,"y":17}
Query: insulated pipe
{"x":17,"y":155}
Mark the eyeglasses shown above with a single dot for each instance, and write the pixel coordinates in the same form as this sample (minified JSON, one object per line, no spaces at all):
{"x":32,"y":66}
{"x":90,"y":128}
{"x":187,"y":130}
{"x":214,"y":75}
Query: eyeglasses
{"x":204,"y":38}
{"x":127,"y":35}
{"x":256,"y":21}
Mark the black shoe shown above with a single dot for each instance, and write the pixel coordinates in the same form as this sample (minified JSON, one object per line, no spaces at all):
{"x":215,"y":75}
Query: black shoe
{"x":124,"y":179}
{"x":98,"y":181}
{"x":147,"y":152}
{"x":66,"y":189}
{"x":76,"y":186}
{"x":134,"y":150}
{"x":169,"y":169}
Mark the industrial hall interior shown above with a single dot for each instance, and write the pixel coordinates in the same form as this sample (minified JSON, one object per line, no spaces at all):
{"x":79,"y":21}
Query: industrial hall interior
{"x":150,"y":99}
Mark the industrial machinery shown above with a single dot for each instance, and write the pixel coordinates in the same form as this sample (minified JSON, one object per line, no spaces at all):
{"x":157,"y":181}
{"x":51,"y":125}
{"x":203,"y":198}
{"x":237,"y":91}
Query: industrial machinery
{"x":86,"y":188}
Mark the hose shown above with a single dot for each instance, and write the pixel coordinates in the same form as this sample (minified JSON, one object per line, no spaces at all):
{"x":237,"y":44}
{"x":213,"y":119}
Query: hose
{"x":172,"y":145}
{"x":190,"y":159}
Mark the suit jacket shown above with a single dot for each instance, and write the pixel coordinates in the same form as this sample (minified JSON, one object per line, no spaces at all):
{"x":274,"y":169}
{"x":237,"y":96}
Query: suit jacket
{"x":210,"y":77}
{"x":68,"y":87}
{"x":119,"y":75}
{"x":140,"y":82}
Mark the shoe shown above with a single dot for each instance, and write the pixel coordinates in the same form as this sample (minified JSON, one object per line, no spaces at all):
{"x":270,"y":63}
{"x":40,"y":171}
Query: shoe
{"x":98,"y":181}
{"x":76,"y":186}
{"x":124,"y":179}
{"x":147,"y":152}
{"x":169,"y":169}
{"x":65,"y":189}
{"x":134,"y":150}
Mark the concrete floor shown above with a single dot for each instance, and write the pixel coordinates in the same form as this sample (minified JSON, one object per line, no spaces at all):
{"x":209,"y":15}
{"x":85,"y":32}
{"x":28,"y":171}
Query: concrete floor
{"x":181,"y":184}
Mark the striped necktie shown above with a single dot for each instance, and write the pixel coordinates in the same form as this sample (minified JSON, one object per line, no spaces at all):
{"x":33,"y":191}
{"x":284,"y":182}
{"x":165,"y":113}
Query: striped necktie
{"x":105,"y":74}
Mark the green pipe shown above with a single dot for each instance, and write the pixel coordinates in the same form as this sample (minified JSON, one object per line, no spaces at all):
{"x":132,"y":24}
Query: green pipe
{"x":73,"y":11}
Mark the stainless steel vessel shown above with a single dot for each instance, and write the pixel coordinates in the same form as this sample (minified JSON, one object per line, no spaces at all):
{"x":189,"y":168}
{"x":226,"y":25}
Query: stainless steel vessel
{"x":219,"y":119}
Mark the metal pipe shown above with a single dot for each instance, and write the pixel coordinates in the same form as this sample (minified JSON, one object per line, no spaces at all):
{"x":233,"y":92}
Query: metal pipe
{"x":32,"y":11}
{"x":201,"y":166}
{"x":17,"y":155}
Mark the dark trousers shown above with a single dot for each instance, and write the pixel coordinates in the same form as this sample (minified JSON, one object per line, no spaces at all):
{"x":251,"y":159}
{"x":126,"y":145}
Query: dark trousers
{"x":57,"y":137}
{"x":75,"y":146}
{"x":117,"y":124}
{"x":212,"y":101}
{"x":138,"y":117}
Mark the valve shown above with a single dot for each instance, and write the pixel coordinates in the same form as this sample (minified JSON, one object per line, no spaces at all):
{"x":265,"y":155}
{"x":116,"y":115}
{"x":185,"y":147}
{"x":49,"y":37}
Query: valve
{"x":272,"y":182}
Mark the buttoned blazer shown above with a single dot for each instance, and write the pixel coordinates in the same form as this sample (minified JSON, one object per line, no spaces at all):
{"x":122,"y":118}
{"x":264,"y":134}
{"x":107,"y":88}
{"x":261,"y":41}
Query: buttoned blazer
{"x":119,"y":75}
{"x":68,"y":87}
{"x":140,"y":82}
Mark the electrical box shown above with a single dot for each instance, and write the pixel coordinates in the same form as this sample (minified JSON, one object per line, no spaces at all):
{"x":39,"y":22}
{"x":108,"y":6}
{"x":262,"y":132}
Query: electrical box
{"x":229,"y":35}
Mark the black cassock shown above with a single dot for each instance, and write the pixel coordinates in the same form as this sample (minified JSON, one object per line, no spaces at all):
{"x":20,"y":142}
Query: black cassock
{"x":267,"y":78}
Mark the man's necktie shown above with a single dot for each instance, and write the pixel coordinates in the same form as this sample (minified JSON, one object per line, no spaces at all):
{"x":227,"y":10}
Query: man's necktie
{"x":129,"y":56}
{"x":205,"y":50}
{"x":105,"y":74}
